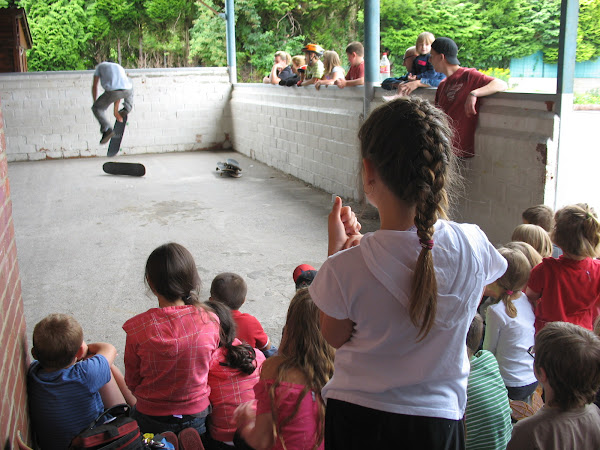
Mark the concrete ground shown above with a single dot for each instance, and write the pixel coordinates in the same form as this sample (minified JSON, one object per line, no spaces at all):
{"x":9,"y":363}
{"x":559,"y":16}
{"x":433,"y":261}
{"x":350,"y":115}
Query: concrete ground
{"x":83,"y":236}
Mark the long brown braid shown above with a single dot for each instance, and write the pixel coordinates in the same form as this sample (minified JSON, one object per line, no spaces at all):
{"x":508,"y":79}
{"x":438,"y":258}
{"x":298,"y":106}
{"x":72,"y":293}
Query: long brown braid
{"x":409,"y":142}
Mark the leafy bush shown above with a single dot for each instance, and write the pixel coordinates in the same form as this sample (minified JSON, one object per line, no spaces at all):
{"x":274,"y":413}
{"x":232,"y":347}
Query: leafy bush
{"x":497,"y":72}
{"x":588,"y":98}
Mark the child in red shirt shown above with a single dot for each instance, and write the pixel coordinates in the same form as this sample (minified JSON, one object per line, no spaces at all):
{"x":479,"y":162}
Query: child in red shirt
{"x":567,"y":289}
{"x":169,"y":349}
{"x":231,"y":289}
{"x":234,"y":371}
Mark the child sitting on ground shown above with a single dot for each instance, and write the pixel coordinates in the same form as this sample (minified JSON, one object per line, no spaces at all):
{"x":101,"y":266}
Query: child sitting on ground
{"x":168,"y":349}
{"x":568,"y":288}
{"x":543,"y":216}
{"x":234,"y":370}
{"x":567,"y":364}
{"x":290,"y":412}
{"x":333,"y":69}
{"x":69,"y":385}
{"x":231,"y":289}
{"x":356,"y":74}
{"x":487,"y":416}
{"x":315,"y":68}
{"x":535,"y":236}
{"x":509,"y":326}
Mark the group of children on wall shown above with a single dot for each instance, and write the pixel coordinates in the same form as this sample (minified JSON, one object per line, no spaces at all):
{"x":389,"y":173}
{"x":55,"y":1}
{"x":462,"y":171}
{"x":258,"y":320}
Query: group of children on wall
{"x":324,"y":68}
{"x":390,"y":345}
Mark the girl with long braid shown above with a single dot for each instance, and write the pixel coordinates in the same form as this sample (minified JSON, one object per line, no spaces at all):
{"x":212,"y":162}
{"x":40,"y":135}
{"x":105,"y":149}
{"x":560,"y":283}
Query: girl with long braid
{"x":168,"y":349}
{"x":399,"y":303}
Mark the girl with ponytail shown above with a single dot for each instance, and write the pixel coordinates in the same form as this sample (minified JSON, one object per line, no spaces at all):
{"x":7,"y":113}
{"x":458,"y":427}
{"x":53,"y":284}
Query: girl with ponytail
{"x":168,"y":349}
{"x":509,"y":330}
{"x":234,"y":371}
{"x":567,"y":289}
{"x":398,"y":304}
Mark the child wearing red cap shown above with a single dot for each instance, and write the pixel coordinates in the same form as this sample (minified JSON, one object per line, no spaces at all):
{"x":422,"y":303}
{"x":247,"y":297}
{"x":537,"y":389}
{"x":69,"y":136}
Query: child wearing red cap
{"x":303,"y":275}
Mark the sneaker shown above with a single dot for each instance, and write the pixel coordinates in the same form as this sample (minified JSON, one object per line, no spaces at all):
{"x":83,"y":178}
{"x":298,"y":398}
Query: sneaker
{"x":107,"y":135}
{"x":123,"y":113}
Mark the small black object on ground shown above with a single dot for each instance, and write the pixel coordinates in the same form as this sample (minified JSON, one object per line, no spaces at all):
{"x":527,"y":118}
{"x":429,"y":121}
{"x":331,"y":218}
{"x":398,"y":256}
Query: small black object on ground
{"x":122,"y":168}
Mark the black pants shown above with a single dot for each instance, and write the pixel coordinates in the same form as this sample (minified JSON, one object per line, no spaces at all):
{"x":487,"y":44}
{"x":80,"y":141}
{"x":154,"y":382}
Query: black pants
{"x":349,"y":427}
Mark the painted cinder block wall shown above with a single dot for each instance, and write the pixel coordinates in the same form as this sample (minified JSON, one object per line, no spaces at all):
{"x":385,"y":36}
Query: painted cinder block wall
{"x":312,"y":135}
{"x":48,"y":114}
{"x":303,"y":132}
{"x":13,"y":340}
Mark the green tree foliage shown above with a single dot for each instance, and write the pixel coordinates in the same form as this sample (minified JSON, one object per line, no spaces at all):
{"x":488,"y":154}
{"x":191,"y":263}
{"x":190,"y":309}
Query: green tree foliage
{"x":59,"y":34}
{"x":166,"y":33}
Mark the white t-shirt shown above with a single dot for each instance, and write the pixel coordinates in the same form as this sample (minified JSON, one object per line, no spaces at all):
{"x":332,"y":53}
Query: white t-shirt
{"x":112,"y":76}
{"x":509,"y":339}
{"x":383,"y":366}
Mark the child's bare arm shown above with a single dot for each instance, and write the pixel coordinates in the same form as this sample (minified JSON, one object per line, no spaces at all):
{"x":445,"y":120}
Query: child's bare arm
{"x":105,"y":349}
{"x":335,"y":331}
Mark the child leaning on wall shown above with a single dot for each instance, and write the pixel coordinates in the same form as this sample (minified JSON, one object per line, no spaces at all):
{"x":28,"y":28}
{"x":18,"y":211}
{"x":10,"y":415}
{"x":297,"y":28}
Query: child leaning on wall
{"x":333,"y":69}
{"x":315,"y":68}
{"x":356,"y":74}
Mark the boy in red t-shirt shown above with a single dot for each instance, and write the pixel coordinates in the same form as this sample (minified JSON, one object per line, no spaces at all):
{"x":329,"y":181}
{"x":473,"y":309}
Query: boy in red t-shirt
{"x":230,"y":289}
{"x":356,"y":75}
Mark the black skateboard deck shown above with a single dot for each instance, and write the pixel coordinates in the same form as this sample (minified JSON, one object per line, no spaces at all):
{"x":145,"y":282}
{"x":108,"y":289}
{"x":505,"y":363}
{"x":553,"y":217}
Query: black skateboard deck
{"x":122,"y":168}
{"x":115,"y":141}
{"x":230,"y":167}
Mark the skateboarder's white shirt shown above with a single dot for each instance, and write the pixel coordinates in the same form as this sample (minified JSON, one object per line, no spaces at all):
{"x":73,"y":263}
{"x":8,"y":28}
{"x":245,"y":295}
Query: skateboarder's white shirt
{"x":112,"y":76}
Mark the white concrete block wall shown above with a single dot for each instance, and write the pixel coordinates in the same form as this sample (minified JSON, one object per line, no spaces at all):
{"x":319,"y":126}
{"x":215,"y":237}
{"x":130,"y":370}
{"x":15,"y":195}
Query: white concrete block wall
{"x":48,"y":114}
{"x":312,"y":135}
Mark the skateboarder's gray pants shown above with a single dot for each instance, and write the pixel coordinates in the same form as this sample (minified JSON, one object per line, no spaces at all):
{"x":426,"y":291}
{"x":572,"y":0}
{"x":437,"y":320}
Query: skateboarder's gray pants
{"x":108,"y":98}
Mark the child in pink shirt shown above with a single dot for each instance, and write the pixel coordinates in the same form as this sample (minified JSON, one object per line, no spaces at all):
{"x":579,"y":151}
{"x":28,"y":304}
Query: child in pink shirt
{"x":168,"y":349}
{"x":290,"y":412}
{"x":234,"y":371}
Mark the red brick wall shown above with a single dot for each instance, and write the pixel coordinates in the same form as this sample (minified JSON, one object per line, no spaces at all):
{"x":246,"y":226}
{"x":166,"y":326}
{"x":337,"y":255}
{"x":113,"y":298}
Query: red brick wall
{"x":14,"y":349}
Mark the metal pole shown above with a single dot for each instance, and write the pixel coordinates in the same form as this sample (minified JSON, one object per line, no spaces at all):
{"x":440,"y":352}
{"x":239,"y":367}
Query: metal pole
{"x":231,"y":59}
{"x":371,"y":52}
{"x":567,"y":46}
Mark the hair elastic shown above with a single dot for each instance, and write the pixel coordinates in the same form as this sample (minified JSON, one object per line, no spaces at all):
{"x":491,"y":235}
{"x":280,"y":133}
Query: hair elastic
{"x":428,"y":245}
{"x":509,"y":292}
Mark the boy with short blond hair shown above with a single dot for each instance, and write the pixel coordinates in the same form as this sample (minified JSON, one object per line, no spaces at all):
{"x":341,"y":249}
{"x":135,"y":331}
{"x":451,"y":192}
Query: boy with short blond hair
{"x":567,"y":364}
{"x":231,"y":289}
{"x":67,"y":392}
{"x":356,"y":75}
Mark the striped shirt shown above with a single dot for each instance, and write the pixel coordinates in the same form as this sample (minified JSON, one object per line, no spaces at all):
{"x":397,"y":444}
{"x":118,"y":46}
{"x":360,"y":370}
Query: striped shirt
{"x":167,"y":356}
{"x":487,"y":417}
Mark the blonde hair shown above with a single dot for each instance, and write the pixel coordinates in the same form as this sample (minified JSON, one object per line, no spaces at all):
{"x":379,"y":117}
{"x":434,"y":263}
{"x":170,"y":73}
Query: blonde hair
{"x":330,"y":60}
{"x":285,"y":56}
{"x":577,"y":230}
{"x":409,"y":142}
{"x":298,"y":60}
{"x":514,"y":279}
{"x":303,"y":348}
{"x":535,"y":236}
{"x":426,"y":37}
{"x":530,"y":253}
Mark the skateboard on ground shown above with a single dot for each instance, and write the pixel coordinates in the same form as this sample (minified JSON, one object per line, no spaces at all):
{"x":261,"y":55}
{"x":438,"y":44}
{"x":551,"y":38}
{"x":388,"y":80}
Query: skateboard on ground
{"x":115,"y":141}
{"x":230,"y":167}
{"x":122,"y":168}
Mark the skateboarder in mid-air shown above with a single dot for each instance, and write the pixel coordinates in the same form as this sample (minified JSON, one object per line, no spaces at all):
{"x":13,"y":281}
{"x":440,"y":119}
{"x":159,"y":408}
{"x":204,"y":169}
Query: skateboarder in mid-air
{"x":116,"y":86}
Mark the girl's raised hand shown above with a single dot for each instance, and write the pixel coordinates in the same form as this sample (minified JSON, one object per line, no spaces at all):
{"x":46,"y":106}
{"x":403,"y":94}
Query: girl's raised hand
{"x":343,"y":228}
